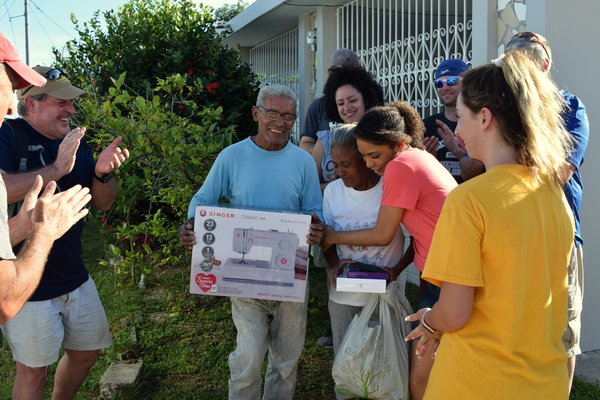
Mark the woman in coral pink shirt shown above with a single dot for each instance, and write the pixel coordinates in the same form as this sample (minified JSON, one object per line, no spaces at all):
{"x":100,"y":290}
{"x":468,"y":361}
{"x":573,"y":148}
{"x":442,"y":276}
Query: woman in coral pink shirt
{"x":415,"y":186}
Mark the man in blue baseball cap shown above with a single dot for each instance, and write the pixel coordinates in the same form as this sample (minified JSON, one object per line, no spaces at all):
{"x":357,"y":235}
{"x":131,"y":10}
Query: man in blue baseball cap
{"x":439,"y":135}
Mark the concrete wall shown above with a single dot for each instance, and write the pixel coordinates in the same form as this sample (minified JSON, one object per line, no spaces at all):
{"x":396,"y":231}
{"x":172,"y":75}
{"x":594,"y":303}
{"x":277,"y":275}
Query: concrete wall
{"x":572,"y":29}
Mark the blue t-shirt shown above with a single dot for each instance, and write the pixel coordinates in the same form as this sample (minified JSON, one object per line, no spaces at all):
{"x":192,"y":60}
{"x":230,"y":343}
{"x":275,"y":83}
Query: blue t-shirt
{"x":576,"y":122}
{"x":64,"y":270}
{"x":250,"y":177}
{"x":327,"y":168}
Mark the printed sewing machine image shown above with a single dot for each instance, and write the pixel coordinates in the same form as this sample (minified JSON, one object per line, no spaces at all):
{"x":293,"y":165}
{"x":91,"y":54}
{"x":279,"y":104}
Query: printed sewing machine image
{"x":274,"y":269}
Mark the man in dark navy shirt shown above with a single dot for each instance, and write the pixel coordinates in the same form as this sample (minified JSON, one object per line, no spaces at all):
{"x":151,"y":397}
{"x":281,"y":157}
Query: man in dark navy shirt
{"x":65,"y":308}
{"x":39,"y":221}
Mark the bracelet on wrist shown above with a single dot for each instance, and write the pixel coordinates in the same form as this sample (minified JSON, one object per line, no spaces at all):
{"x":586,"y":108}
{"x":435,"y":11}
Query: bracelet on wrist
{"x":425,"y":324}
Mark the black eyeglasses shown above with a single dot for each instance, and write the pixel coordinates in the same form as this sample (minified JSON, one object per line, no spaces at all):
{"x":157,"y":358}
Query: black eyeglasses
{"x":531,"y":37}
{"x":274,"y":115}
{"x":52,"y":75}
{"x":451,"y":81}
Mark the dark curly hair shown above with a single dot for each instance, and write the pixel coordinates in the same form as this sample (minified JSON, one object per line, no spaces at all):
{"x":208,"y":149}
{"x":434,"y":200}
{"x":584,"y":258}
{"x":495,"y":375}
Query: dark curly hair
{"x":392,"y":124}
{"x":357,"y":77}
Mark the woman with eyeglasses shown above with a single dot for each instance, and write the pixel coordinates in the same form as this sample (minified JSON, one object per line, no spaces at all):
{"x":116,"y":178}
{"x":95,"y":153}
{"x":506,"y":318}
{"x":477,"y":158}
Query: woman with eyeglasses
{"x":349,"y":92}
{"x":501,"y":245}
{"x":415,"y":185}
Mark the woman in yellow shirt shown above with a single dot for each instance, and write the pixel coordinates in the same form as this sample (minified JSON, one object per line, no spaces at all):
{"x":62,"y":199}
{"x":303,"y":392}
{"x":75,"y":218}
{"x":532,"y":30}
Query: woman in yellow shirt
{"x":501,"y":245}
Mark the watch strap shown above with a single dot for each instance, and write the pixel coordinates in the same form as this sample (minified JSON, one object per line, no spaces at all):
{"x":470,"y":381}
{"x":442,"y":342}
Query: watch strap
{"x":104,"y":178}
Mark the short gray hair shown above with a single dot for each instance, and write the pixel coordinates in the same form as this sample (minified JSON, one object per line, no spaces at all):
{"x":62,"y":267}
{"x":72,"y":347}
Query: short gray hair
{"x":22,"y":107}
{"x":343,"y":135}
{"x":275,"y":90}
{"x":538,"y":47}
{"x":344,"y":57}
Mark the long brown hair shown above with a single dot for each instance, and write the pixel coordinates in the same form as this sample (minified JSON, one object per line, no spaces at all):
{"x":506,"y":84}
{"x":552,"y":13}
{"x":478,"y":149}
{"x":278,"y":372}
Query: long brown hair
{"x":527,"y":106}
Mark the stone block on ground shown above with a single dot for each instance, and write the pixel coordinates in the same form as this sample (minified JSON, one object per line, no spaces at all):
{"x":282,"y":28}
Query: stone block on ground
{"x":120,"y":376}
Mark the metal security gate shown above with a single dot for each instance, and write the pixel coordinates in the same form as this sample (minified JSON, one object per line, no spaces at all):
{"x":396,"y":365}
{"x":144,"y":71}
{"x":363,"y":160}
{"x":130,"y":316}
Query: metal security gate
{"x":276,"y":61}
{"x":402,"y":41}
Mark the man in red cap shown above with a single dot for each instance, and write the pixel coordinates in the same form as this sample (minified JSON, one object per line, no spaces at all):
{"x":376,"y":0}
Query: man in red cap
{"x":40,"y":221}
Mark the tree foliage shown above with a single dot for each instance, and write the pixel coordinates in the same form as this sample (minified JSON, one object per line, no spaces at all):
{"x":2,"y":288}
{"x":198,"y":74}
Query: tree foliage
{"x":152,"y":40}
{"x":226,"y":12}
{"x":157,"y":74}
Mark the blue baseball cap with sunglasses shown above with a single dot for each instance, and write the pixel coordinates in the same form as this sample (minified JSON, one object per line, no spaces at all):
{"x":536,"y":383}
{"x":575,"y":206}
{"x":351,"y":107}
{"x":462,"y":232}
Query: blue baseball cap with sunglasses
{"x":451,"y":67}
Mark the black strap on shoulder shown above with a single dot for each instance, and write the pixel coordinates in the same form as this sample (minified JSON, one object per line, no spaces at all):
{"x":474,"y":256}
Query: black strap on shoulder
{"x":22,"y":140}
{"x":24,"y":152}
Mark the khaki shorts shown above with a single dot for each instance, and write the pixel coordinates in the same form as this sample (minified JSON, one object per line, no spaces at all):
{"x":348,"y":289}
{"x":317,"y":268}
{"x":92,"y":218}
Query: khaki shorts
{"x":74,"y":321}
{"x":572,"y":334}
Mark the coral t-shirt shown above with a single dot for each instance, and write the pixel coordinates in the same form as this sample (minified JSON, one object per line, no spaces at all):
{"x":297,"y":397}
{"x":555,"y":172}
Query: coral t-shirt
{"x":417,"y":182}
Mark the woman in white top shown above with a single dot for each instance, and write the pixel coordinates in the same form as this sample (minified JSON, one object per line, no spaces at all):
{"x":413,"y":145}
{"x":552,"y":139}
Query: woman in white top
{"x":350,"y":203}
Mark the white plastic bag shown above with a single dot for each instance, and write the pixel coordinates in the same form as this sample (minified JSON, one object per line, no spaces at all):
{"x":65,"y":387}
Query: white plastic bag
{"x":372,"y":361}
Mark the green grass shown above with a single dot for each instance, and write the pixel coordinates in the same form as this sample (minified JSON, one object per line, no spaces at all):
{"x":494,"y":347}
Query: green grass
{"x":184,"y":339}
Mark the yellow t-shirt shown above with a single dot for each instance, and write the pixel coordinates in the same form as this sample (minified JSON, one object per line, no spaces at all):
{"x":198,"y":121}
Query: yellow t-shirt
{"x":510,"y":238}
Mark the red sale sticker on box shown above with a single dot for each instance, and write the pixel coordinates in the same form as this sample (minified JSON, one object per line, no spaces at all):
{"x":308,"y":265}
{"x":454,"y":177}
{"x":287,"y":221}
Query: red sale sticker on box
{"x":248,"y":253}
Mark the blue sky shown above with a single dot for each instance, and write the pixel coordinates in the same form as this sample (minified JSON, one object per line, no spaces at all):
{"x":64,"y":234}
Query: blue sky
{"x":50,"y":24}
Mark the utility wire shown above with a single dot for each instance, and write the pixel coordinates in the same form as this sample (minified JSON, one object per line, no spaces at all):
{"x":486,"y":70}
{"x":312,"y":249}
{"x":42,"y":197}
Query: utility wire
{"x":44,"y":29}
{"x":51,"y":20}
{"x":12,"y":28}
{"x":7,"y":10}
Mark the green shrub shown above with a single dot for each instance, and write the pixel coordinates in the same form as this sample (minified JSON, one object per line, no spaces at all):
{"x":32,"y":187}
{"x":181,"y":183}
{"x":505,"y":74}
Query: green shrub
{"x":170,"y":156}
{"x":152,"y":40}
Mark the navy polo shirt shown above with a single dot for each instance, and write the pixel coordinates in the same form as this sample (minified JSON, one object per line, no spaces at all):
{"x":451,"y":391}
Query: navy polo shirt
{"x":64,"y":270}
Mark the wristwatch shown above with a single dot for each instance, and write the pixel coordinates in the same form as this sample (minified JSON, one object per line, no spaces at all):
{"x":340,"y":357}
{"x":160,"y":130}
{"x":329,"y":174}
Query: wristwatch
{"x":104,"y":178}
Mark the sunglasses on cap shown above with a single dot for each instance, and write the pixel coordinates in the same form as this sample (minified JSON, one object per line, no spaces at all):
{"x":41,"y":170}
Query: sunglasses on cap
{"x":531,"y":37}
{"x":53,"y":74}
{"x":451,"y":81}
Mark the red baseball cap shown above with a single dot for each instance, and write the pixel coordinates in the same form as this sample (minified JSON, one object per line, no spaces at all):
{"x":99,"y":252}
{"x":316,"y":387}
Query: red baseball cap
{"x":26,"y":75}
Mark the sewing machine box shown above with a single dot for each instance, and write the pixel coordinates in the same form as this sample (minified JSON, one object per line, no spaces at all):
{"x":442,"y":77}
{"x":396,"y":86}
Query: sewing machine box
{"x":248,"y":253}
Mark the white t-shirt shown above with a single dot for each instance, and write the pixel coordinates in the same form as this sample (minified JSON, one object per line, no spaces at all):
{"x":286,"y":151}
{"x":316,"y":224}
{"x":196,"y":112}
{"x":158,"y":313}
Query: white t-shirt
{"x":346,"y":209}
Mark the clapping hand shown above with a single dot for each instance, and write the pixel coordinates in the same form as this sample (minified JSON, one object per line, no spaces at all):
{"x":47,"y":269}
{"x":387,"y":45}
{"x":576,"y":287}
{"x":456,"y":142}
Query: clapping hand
{"x":431,"y":144}
{"x":111,"y":158}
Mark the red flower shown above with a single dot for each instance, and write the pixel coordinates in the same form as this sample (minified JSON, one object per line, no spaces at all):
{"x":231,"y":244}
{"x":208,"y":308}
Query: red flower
{"x":190,"y":71}
{"x":181,"y":106}
{"x":212,"y":87}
